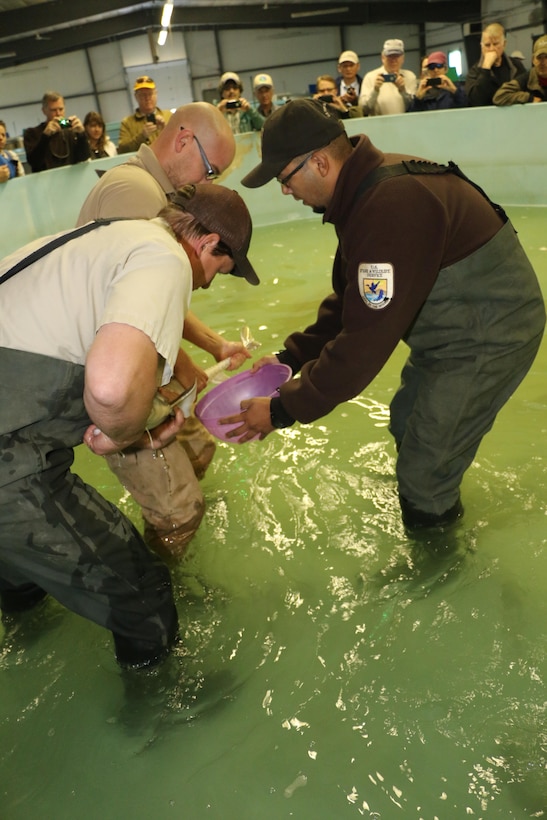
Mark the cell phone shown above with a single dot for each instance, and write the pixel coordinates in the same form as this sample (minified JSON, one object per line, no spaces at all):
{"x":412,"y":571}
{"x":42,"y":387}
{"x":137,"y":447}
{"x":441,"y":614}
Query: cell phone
{"x":389,"y":78}
{"x":326,"y":98}
{"x":434,"y":81}
{"x":64,"y":122}
{"x":233,"y":104}
{"x":151,"y":118}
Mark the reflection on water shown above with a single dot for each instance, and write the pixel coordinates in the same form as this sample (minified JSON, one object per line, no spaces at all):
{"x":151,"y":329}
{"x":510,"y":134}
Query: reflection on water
{"x":330,"y":666}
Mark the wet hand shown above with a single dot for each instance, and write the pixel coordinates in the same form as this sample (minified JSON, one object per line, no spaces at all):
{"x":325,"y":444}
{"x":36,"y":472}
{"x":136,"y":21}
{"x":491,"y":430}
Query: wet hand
{"x":235,"y":351}
{"x":253,"y":420}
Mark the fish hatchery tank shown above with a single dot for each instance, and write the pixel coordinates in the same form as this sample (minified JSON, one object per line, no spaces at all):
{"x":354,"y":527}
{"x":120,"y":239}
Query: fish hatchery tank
{"x":331,"y":666}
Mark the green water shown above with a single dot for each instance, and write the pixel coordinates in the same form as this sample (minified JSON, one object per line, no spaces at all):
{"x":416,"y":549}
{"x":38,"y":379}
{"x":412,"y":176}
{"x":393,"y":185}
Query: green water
{"x":330,"y":668}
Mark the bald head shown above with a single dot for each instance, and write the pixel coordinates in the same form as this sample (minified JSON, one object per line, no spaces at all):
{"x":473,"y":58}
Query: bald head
{"x":177,"y":150}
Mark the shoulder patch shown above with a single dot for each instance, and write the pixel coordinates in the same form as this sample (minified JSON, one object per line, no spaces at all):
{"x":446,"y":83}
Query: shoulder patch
{"x":376,"y":284}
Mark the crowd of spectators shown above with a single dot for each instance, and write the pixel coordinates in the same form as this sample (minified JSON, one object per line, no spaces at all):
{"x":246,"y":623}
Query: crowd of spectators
{"x":497,"y":78}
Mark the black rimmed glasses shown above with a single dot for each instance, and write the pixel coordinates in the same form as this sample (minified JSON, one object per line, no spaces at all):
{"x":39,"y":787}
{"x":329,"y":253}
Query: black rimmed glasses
{"x":287,"y":179}
{"x":210,"y":173}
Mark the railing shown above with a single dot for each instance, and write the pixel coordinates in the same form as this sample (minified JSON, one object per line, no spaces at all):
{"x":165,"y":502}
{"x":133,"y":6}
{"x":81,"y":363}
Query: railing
{"x":502,"y":149}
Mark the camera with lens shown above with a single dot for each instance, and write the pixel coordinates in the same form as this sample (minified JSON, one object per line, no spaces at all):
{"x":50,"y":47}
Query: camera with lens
{"x":389,"y":78}
{"x":151,"y":118}
{"x":326,"y":98}
{"x":433,"y":81}
{"x":64,"y":122}
{"x":233,"y":104}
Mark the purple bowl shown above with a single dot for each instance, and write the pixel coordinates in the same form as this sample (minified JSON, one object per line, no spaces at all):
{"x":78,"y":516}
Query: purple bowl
{"x":225,"y":399}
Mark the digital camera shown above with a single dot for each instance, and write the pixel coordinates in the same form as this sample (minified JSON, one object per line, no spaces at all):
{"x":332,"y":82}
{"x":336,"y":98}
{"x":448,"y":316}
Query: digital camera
{"x":434,"y":81}
{"x":233,"y":104}
{"x":64,"y":122}
{"x":389,"y":78}
{"x":151,"y":118}
{"x":326,"y":98}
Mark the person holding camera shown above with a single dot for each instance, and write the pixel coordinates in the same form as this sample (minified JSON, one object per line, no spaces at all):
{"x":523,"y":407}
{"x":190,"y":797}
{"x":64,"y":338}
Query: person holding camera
{"x":436,"y":91}
{"x":58,"y":141}
{"x":148,"y":121}
{"x":390,"y":88}
{"x":241,"y":116}
{"x":327,"y":92}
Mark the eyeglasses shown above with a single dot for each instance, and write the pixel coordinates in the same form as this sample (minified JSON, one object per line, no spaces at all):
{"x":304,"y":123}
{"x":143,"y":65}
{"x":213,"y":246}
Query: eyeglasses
{"x":287,"y":179}
{"x":210,"y":173}
{"x":431,"y":66}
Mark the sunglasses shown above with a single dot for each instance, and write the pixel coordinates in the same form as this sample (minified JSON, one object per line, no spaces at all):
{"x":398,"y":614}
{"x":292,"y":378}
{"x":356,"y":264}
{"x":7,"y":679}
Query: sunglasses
{"x":431,"y":66}
{"x":210,"y":173}
{"x":287,"y":179}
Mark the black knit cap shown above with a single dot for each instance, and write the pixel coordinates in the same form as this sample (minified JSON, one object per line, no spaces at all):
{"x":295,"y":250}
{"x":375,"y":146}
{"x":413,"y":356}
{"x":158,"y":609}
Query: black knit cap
{"x":220,"y":210}
{"x":296,"y":128}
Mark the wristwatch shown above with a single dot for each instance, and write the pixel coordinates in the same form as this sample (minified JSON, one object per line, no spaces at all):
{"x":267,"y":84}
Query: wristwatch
{"x":278,"y":415}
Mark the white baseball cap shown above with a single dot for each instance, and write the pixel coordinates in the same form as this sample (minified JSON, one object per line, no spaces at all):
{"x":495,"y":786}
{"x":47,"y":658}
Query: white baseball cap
{"x":230,"y":76}
{"x":348,"y":57}
{"x":393,"y":47}
{"x":262,"y":80}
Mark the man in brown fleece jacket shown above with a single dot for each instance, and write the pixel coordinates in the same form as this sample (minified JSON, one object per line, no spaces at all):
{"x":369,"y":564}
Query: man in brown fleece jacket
{"x":425,"y":257}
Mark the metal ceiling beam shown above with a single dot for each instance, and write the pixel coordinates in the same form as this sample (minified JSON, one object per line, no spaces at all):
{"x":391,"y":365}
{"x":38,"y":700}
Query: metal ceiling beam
{"x":67,"y":25}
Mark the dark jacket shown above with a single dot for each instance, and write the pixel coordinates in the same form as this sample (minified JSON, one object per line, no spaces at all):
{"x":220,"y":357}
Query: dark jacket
{"x":522,"y":89}
{"x":63,"y":148}
{"x":340,"y":79}
{"x":482,"y":83}
{"x":350,"y":341}
{"x":439,"y":99}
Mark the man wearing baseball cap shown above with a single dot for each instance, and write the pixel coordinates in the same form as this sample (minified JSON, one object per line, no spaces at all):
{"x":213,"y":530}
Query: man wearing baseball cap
{"x":390,"y":88}
{"x":90,"y":368}
{"x":239,"y":113}
{"x":348,"y":82}
{"x":148,"y":121}
{"x":264,"y":92}
{"x":530,"y":87}
{"x":423,"y":257}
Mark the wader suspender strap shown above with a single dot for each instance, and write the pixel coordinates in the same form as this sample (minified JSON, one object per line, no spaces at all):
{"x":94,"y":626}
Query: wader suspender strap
{"x":415,"y":167}
{"x":55,"y":243}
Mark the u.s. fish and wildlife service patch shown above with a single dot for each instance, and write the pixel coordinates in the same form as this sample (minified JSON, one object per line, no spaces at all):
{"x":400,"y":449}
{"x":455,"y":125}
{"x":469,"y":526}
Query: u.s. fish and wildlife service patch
{"x":376,"y":284}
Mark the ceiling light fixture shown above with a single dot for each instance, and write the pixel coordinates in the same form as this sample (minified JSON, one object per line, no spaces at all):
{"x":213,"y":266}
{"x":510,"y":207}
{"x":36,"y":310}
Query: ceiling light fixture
{"x":166,"y":15}
{"x":319,"y":12}
{"x":162,"y":37}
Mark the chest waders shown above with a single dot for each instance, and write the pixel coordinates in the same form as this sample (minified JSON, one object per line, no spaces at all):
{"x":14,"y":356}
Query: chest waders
{"x":471,"y":344}
{"x":417,"y":167}
{"x":58,"y":535}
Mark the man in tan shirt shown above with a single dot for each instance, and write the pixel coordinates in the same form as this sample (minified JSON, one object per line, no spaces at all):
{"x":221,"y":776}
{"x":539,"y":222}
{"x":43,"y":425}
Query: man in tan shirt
{"x":195,"y":146}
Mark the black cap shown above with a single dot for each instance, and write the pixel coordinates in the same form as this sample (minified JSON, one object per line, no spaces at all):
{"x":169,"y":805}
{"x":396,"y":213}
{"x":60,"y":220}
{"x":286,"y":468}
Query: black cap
{"x":296,"y":128}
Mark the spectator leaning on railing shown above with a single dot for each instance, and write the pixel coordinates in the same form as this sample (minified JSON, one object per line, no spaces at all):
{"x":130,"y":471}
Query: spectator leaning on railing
{"x":530,"y":87}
